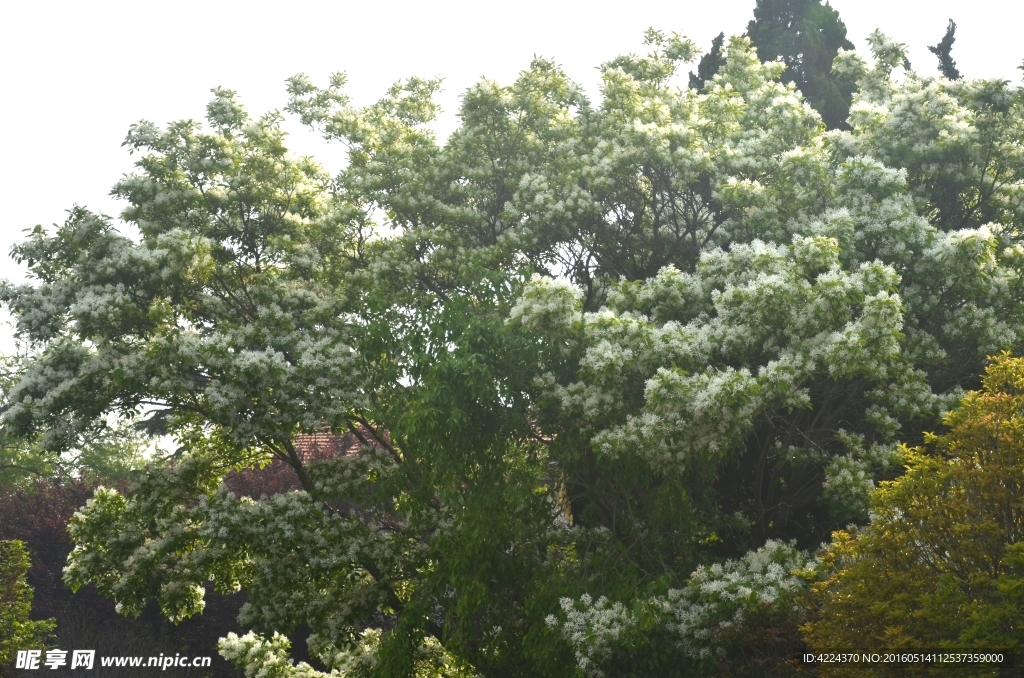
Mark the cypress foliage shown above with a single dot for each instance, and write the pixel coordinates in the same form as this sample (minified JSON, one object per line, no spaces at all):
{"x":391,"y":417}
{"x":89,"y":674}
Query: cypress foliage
{"x":943,"y":51}
{"x":806,"y":36}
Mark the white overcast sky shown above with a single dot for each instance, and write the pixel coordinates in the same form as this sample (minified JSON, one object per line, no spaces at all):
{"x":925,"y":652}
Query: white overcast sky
{"x":76,"y":75}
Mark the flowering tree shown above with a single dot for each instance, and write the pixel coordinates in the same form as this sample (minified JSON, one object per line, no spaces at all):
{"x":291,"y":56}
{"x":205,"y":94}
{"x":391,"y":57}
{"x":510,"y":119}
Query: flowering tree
{"x":112,"y":450}
{"x":610,"y":364}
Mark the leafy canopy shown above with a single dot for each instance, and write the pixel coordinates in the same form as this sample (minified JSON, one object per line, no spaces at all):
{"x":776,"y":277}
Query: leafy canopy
{"x":806,"y":35}
{"x":611,"y":364}
{"x":111,"y":451}
{"x":17,"y":630}
{"x":941,"y":565}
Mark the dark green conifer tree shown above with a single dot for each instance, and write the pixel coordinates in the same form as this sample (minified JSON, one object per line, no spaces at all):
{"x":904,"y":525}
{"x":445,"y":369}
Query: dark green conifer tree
{"x":943,"y":50}
{"x":806,"y":35}
{"x":708,"y":64}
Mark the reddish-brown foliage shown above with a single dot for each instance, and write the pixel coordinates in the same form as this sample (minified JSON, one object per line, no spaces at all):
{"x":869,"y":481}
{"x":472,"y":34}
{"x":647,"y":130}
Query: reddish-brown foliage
{"x":38,"y":515}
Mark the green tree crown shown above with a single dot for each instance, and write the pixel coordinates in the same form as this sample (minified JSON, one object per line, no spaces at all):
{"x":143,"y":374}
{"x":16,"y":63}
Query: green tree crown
{"x":806,"y":35}
{"x":607,"y":365}
{"x":941,"y":564}
{"x":943,"y":51}
{"x":17,"y":630}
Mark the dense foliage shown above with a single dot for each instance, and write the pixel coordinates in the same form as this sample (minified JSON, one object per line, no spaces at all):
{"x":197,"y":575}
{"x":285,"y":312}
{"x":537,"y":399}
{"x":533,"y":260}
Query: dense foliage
{"x":37,"y":514}
{"x":806,"y":35}
{"x":942,"y":563}
{"x":944,"y":51}
{"x":113,"y":450}
{"x":17,"y":630}
{"x":709,"y":63}
{"x":611,"y":364}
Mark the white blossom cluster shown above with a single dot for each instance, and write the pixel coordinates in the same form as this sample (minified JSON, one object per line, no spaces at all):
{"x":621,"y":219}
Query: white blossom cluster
{"x":792,"y":309}
{"x":265,"y":658}
{"x":719,"y":597}
{"x":716,"y":601}
{"x":592,"y":627}
{"x":262,"y":657}
{"x":547,"y":304}
{"x":847,"y":487}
